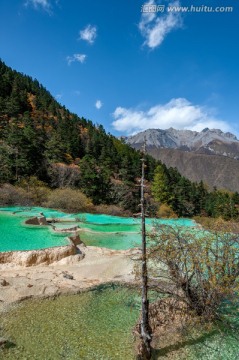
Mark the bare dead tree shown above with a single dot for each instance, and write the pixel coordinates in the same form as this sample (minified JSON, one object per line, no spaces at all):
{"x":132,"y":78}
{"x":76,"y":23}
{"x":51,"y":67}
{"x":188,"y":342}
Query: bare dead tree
{"x":145,"y":330}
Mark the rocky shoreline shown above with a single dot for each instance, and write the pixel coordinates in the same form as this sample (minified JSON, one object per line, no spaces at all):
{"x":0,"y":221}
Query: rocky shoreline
{"x":90,"y":266}
{"x":68,"y":269}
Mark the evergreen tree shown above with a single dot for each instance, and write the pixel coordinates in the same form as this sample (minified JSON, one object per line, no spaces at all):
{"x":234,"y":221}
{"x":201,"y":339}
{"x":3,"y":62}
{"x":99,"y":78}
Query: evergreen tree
{"x":94,"y":180}
{"x":160,"y":189}
{"x":39,"y":137}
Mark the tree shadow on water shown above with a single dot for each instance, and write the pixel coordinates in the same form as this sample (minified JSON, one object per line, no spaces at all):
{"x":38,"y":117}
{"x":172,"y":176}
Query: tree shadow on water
{"x":9,"y":345}
{"x":6,"y":346}
{"x":165,"y":351}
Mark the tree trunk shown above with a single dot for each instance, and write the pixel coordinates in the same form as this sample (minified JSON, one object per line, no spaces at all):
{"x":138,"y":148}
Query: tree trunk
{"x":145,"y":330}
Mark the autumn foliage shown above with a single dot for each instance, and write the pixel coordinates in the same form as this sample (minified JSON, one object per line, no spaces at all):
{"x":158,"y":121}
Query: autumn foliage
{"x":198,"y":267}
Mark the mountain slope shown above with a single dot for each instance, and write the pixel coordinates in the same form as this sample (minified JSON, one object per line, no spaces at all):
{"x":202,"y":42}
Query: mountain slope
{"x":210,"y":155}
{"x":213,"y":170}
{"x":41,"y":138}
{"x":44,"y":146}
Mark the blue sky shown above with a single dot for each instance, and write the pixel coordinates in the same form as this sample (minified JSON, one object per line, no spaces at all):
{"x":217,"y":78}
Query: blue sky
{"x":130,"y":70}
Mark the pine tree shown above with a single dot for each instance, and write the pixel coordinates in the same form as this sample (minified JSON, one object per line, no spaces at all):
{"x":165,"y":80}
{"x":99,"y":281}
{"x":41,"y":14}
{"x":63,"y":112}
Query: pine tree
{"x":160,"y":189}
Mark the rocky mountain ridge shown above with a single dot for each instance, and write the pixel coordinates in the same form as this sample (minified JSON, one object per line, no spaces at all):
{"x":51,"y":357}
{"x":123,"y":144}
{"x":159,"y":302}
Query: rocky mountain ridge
{"x":208,"y":141}
{"x":210,"y":155}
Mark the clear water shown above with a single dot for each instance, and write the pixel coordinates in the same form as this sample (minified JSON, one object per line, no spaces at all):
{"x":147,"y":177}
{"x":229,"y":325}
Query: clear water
{"x":93,"y":325}
{"x":96,"y":229}
{"x":98,"y":325}
{"x":111,"y":227}
{"x":109,"y":219}
{"x":15,"y":236}
{"x":115,"y":241}
{"x":219,"y":343}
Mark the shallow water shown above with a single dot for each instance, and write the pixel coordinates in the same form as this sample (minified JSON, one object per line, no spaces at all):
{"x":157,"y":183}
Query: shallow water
{"x":93,"y":325}
{"x":98,"y":325}
{"x":109,"y":219}
{"x":116,"y":241}
{"x":15,"y":236}
{"x":108,"y":231}
{"x":219,"y":344}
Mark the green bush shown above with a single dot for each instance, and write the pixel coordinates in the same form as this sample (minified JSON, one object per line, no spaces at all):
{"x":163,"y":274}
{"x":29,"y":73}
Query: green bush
{"x":69,"y":200}
{"x":165,"y":211}
{"x":14,"y":195}
{"x":111,"y":210}
{"x":37,"y":190}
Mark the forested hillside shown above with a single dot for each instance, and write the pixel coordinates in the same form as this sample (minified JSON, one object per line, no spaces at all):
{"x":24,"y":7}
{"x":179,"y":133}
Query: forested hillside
{"x":41,"y":139}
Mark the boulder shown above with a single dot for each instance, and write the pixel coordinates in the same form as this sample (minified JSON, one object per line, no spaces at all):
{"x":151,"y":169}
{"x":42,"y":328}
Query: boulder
{"x":42,"y":221}
{"x":76,"y":240}
{"x":32,"y":221}
{"x":36,"y":221}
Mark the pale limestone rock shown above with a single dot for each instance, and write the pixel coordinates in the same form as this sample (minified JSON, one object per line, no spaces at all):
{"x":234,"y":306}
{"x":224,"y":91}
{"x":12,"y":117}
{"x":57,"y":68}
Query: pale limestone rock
{"x":70,"y":260}
{"x":67,"y":230}
{"x":3,"y":282}
{"x":96,"y":266}
{"x":36,"y":257}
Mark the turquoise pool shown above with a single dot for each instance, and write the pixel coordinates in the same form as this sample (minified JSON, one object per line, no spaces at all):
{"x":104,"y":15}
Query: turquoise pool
{"x":15,"y":236}
{"x":112,"y":232}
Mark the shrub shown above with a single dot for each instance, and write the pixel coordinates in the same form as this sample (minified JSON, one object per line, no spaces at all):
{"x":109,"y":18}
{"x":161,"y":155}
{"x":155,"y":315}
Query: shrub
{"x":14,"y":195}
{"x":69,"y":200}
{"x":111,"y":210}
{"x":166,"y":211}
{"x":201,"y":267}
{"x":37,"y":190}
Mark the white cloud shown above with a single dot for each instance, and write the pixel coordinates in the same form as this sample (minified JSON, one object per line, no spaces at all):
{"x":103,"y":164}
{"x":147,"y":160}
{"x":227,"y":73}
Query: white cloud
{"x":177,"y":113}
{"x":44,"y":4}
{"x":98,"y":104}
{"x":76,"y":57}
{"x":58,"y":96}
{"x":88,"y":34}
{"x":154,"y":26}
